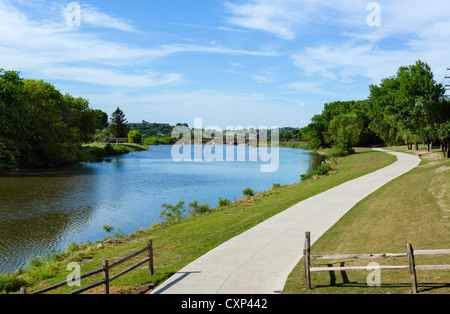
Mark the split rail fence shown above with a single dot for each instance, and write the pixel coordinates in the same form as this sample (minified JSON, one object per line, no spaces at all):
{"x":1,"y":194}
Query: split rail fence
{"x":106,"y":267}
{"x":410,"y":254}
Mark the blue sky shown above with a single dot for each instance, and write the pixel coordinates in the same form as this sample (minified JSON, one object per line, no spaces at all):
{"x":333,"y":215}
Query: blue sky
{"x":229,"y":62}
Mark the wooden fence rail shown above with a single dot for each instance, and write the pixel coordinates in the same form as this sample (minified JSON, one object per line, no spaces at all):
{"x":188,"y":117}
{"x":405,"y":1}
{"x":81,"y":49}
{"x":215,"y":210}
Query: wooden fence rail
{"x":105,"y":270}
{"x":412,"y":267}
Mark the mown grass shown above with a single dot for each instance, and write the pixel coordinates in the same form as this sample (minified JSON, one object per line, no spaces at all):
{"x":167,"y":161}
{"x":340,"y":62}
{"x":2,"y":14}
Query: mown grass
{"x":176,"y":245}
{"x":413,"y":208}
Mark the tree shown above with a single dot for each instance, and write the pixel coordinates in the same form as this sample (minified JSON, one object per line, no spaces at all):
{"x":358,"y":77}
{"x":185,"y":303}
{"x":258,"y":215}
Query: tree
{"x":344,"y":132}
{"x":135,"y":137}
{"x":412,"y":103}
{"x":101,"y":119}
{"x":118,"y":125}
{"x":39,"y":126}
{"x":315,"y":132}
{"x":14,"y":129}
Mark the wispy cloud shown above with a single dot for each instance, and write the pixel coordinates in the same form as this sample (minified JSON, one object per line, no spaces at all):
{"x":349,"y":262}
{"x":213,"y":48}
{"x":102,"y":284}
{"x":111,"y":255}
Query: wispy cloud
{"x":114,"y":78}
{"x":274,"y":17}
{"x":57,"y":51}
{"x":95,"y":17}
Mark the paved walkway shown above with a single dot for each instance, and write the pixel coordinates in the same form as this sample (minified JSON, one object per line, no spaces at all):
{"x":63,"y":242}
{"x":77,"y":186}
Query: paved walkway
{"x":259,"y":260}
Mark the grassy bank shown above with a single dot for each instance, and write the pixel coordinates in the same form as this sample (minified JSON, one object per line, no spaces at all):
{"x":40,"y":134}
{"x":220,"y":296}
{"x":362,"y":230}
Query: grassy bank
{"x":101,"y":150}
{"x":178,"y":244}
{"x":413,"y":208}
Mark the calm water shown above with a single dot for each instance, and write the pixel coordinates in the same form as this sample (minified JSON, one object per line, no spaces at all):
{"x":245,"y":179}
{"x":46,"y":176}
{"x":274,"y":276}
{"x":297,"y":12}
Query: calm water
{"x":42,"y":211}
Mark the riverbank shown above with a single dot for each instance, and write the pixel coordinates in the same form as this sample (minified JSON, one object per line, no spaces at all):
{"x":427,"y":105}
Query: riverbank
{"x":87,"y":152}
{"x":102,"y":150}
{"x":178,"y":244}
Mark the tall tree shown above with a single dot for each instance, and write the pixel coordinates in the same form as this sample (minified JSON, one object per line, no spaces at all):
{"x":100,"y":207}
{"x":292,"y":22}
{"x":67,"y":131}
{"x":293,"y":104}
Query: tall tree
{"x":413,"y":99}
{"x":344,"y":132}
{"x":14,"y":128}
{"x":118,"y":125}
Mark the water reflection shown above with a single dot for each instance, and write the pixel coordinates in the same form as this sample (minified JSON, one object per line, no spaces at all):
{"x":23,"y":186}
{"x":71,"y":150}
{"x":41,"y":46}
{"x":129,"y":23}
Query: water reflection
{"x":44,"y":210}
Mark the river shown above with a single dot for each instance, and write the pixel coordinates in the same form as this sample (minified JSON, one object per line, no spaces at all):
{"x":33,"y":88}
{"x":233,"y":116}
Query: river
{"x":42,"y":211}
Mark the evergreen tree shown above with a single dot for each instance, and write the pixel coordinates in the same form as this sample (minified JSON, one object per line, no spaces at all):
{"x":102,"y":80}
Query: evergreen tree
{"x":118,"y":125}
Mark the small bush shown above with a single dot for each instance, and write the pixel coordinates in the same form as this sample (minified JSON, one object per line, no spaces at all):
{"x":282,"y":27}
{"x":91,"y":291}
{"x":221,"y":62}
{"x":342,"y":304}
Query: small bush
{"x":135,"y":137}
{"x":276,"y":185}
{"x":322,"y":169}
{"x":109,"y":150}
{"x":224,"y":202}
{"x":113,"y":232}
{"x":172,"y":213}
{"x":248,"y":192}
{"x":10,"y":283}
{"x":197,"y":208}
{"x":340,"y":152}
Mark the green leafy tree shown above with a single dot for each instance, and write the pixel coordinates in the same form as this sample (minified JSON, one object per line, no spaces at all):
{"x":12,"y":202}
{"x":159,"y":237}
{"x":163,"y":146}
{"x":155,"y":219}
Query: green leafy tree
{"x":135,"y":137}
{"x":14,"y":127}
{"x":248,"y":192}
{"x":101,"y":119}
{"x":411,"y":102}
{"x":344,"y":132}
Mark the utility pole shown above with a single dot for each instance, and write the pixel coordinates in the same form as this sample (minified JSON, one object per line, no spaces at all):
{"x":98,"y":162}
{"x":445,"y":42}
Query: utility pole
{"x":446,"y":83}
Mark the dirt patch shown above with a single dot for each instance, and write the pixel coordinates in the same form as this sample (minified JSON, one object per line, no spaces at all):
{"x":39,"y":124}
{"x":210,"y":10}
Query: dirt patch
{"x":116,"y":242}
{"x":439,"y":188}
{"x":441,"y":169}
{"x":429,"y":156}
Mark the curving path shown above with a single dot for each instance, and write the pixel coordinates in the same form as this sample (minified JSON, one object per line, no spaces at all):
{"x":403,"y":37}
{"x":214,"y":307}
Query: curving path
{"x":259,"y":260}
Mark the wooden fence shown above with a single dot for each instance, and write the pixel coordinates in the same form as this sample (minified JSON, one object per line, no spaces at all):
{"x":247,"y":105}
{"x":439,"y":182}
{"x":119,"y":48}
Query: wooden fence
{"x":124,"y":140}
{"x":412,"y":267}
{"x":105,"y":270}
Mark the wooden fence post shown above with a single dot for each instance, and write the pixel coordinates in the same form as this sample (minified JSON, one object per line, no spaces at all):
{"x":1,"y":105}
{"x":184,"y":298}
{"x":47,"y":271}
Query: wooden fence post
{"x":412,"y":268}
{"x":306,"y":254}
{"x":23,"y":290}
{"x":150,"y":255}
{"x":105,"y":276}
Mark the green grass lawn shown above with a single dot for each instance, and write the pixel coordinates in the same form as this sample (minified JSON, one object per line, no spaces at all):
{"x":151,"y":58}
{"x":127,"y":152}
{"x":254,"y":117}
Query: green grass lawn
{"x":413,"y":208}
{"x":178,"y":244}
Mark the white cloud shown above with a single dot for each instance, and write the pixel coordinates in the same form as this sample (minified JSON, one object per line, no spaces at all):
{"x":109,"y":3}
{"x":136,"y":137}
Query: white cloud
{"x":264,"y":78}
{"x":286,"y":18}
{"x":274,"y":17}
{"x":50,"y":49}
{"x":93,"y":16}
{"x":111,"y":77}
{"x":410,"y":30}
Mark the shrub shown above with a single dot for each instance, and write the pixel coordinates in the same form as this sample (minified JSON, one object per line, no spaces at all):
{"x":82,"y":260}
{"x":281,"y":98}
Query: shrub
{"x":197,"y":208}
{"x":340,"y":152}
{"x":109,"y":149}
{"x":224,"y":202}
{"x":276,"y":185}
{"x":10,"y":283}
{"x":248,"y":192}
{"x":322,"y":169}
{"x":135,"y":137}
{"x":172,"y":213}
{"x":151,"y":140}
{"x":112,"y":231}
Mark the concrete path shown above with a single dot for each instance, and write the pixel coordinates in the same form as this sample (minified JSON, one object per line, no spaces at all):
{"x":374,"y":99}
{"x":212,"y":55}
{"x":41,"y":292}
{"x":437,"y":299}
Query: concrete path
{"x":259,"y":260}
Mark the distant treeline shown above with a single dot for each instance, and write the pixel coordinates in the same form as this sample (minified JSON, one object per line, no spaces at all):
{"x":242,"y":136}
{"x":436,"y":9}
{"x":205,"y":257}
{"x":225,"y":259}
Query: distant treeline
{"x":161,"y":133}
{"x":406,"y":109}
{"x":151,"y":129}
{"x":40,"y":126}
